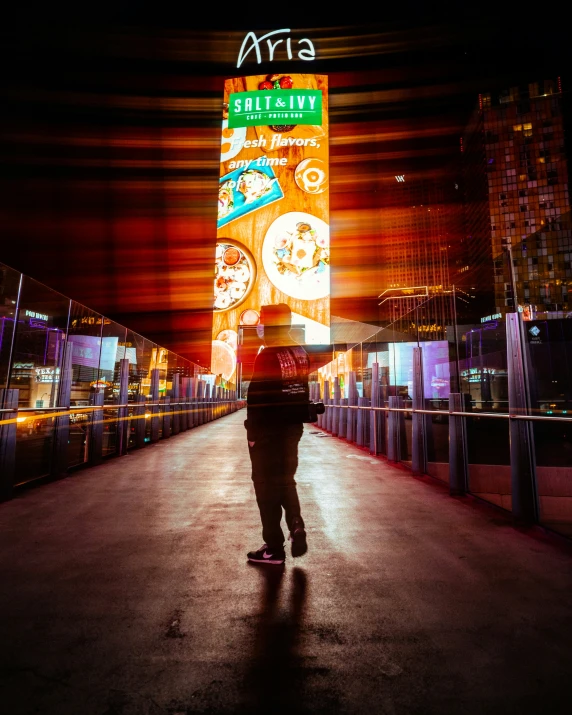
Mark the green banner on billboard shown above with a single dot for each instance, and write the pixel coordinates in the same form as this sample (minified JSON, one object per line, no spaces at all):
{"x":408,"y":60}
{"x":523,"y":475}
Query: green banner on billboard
{"x":276,"y":106}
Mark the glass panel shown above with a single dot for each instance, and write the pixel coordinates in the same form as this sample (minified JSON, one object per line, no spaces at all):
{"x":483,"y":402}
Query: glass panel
{"x":438,"y":369}
{"x":84,"y":335}
{"x":38,"y":349}
{"x":160,"y":361}
{"x":172,"y":362}
{"x":550,"y":350}
{"x":9,"y":286}
{"x":185,"y":369}
{"x":172,"y":368}
{"x":34,"y":446}
{"x":489,"y":459}
{"x":149,"y":363}
{"x":437,"y":427}
{"x":78,"y":443}
{"x":40,"y":332}
{"x":483,"y":379}
{"x":400,"y":379}
{"x":139,"y":350}
{"x":483,"y":367}
{"x":113,"y":337}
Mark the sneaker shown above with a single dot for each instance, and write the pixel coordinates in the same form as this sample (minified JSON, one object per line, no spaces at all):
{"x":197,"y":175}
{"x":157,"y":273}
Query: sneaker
{"x":264,"y":555}
{"x":298,"y":538}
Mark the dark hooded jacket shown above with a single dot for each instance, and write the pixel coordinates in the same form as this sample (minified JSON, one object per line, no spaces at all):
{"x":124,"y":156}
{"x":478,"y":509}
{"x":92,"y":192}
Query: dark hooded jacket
{"x":278,"y":393}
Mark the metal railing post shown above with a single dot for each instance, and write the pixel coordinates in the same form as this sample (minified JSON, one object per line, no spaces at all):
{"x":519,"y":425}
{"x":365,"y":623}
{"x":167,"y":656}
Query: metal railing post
{"x":377,"y":418}
{"x":139,"y":414}
{"x":328,"y":412}
{"x":336,"y":409}
{"x":166,"y":409}
{"x":352,"y":402}
{"x":418,"y":421}
{"x":362,"y":422}
{"x":200,"y":401}
{"x":96,"y":429}
{"x":522,"y":453}
{"x":123,"y":412}
{"x":155,"y":409}
{"x":192,"y":393}
{"x":318,"y":397}
{"x":185,"y":406}
{"x":342,"y":417}
{"x":177,"y":408}
{"x":208,"y":402}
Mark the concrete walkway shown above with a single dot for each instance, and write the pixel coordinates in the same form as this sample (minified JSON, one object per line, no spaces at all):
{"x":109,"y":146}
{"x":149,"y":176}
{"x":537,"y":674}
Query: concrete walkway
{"x":124,"y":590}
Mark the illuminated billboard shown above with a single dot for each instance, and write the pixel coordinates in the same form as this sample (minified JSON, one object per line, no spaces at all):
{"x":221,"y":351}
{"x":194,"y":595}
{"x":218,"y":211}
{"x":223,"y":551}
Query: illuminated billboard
{"x":273,"y":233}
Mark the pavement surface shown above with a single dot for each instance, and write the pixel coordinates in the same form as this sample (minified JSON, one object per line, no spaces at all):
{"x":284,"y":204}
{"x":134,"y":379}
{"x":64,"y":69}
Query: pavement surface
{"x":125,"y":590}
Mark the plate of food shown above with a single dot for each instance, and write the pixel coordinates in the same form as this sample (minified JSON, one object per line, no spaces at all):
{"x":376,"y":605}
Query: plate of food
{"x":235,"y":273}
{"x":311,"y":175}
{"x":246,"y":189}
{"x":296,"y":255}
{"x":232,"y":141}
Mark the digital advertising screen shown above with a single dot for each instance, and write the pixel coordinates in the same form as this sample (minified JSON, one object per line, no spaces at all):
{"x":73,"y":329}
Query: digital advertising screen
{"x":273,"y":233}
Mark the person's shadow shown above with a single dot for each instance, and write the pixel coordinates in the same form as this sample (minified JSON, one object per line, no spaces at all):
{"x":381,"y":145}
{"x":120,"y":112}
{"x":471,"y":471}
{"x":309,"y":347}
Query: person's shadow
{"x":274,"y":678}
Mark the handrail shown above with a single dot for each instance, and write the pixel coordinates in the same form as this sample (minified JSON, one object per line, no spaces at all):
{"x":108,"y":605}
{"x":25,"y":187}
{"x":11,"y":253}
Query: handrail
{"x":62,"y":411}
{"x":83,"y":408}
{"x":194,"y":400}
{"x":452,"y":413}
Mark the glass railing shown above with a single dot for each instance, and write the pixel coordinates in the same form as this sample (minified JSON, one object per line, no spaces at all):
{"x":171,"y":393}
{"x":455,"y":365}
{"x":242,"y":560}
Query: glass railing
{"x":76,"y":387}
{"x":496,"y":398}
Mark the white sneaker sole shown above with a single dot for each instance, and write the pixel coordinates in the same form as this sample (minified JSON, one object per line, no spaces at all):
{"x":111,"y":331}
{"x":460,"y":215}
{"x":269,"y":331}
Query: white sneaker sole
{"x":266,"y":561}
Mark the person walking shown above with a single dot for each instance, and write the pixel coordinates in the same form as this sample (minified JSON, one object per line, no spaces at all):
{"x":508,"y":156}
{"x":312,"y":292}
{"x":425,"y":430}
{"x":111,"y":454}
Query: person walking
{"x":275,"y":403}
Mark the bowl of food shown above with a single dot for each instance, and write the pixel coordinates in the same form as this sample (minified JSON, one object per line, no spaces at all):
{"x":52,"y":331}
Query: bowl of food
{"x":235,"y":273}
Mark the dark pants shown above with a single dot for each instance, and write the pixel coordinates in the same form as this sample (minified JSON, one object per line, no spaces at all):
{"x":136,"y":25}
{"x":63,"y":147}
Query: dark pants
{"x":274,"y":458}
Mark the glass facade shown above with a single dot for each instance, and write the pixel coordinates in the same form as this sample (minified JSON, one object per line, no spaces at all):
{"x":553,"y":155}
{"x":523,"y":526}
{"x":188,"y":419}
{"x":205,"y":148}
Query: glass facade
{"x":517,"y":200}
{"x":74,"y":385}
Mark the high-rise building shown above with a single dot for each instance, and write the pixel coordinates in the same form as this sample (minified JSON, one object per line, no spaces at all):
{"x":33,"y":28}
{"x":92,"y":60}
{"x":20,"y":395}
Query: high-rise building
{"x":517,"y":205}
{"x":420,"y":231}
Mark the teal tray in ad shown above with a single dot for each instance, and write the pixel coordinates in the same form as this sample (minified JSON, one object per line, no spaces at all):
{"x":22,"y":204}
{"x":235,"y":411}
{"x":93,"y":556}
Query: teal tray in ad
{"x":263,"y":176}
